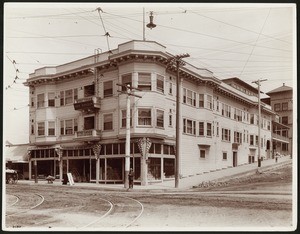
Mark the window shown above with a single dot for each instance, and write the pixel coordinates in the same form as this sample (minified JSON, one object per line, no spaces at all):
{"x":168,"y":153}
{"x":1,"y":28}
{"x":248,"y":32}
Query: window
{"x":75,"y":125}
{"x":284,"y":133}
{"x":209,"y":102}
{"x":51,"y":128}
{"x":189,"y":97}
{"x":89,"y":90}
{"x":201,"y":128}
{"x":126,"y":80}
{"x":237,"y":114}
{"x":62,"y":98}
{"x":277,"y":107}
{"x":144,"y":117}
{"x":62,"y":127}
{"x":284,"y":106}
{"x":124,"y":118}
{"x":202,"y":153}
{"x":41,"y":129}
{"x":256,"y":140}
{"x":224,"y":155}
{"x":108,"y":88}
{"x":284,"y":147}
{"x":75,"y":94}
{"x":108,"y":122}
{"x":51,"y":100}
{"x":69,"y":96}
{"x":201,"y":100}
{"x":237,"y":137}
{"x":170,"y":118}
{"x":226,"y":110}
{"x":225,"y":134}
{"x":251,"y":118}
{"x":69,"y":127}
{"x":251,"y":139}
{"x":32,"y":102}
{"x":284,"y":120}
{"x":160,"y":83}
{"x":189,"y":126}
{"x":144,"y":81}
{"x":217,"y":128}
{"x":208,"y":130}
{"x":159,"y":118}
{"x":40,"y":100}
{"x":170,"y":88}
{"x":32,"y":129}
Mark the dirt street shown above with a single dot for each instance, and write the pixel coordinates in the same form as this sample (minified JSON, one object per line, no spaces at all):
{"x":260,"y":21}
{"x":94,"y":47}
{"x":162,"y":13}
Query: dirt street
{"x":260,"y":202}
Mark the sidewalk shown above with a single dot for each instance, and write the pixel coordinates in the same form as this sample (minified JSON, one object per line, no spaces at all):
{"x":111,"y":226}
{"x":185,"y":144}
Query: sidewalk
{"x":184,"y":183}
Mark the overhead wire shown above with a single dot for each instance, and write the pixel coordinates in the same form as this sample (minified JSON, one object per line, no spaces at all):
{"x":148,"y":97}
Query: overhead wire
{"x":262,"y":28}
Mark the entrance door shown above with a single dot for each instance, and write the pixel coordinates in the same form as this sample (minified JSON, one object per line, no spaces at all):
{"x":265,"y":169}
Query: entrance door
{"x":234,"y":159}
{"x":89,"y":123}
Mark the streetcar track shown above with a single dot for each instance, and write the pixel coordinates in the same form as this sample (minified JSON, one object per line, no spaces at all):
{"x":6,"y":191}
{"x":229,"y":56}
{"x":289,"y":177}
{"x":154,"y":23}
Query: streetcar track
{"x":31,"y":208}
{"x":17,"y":200}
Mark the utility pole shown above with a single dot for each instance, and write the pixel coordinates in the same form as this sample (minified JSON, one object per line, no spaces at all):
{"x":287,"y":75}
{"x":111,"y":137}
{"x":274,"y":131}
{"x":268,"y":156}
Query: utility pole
{"x":127,"y":144}
{"x":259,"y":121}
{"x":178,"y":62}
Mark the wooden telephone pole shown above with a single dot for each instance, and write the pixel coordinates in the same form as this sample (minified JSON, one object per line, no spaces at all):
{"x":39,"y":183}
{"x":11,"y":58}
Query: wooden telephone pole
{"x":127,"y":148}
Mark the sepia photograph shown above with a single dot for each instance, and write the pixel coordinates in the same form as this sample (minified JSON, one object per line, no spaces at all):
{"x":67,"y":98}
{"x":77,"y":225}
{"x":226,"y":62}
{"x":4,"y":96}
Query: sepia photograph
{"x":149,"y":117}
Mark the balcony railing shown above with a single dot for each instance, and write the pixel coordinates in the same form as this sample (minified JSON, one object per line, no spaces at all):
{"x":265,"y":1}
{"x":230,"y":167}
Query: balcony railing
{"x":91,"y":133}
{"x":280,"y":138}
{"x":87,"y":103}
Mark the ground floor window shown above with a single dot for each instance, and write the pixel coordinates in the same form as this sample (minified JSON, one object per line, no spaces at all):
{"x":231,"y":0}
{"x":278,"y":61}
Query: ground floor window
{"x":154,"y":169}
{"x":169,"y":167}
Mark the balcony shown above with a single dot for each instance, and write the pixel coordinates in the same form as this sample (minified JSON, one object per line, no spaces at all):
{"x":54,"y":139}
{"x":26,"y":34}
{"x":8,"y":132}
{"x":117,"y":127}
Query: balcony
{"x":87,"y":104}
{"x":91,"y":134}
{"x":277,"y":137}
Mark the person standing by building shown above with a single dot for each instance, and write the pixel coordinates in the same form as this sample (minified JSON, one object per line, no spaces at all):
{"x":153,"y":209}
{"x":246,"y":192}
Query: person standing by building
{"x":130,"y":178}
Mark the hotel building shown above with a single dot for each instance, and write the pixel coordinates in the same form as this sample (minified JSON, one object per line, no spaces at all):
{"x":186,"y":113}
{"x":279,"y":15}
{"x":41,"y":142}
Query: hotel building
{"x":78,"y":118}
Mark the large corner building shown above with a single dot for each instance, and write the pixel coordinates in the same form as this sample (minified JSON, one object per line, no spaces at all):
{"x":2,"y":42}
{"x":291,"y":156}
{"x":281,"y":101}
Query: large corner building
{"x":78,"y":118}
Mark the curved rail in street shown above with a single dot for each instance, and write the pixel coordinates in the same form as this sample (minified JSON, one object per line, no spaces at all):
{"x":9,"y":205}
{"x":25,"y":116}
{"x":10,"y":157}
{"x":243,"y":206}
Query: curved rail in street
{"x":16,"y":213}
{"x":142,"y":210}
{"x":17,"y":200}
{"x":103,"y":216}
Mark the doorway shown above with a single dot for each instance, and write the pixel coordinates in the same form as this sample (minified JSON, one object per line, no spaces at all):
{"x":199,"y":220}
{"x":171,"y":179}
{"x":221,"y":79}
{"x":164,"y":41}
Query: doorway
{"x":234,"y":158}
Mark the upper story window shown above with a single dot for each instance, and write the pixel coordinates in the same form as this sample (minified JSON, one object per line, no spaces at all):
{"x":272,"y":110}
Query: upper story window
{"x":75,"y":94}
{"x":285,"y":106}
{"x":51,"y":99}
{"x":89,"y":90}
{"x":189,"y":126}
{"x":107,"y":89}
{"x":226,"y":110}
{"x":237,"y":114}
{"x":126,"y":80}
{"x":108,"y":122}
{"x":32,"y":101}
{"x":277,"y":107}
{"x":159,"y":118}
{"x":170,"y":118}
{"x":201,"y":128}
{"x":285,"y":120}
{"x":208,"y":129}
{"x":40,"y":100}
{"x":69,"y":96}
{"x":237,"y":137}
{"x":170,"y":88}
{"x":226,"y":134}
{"x":124,"y":118}
{"x":189,"y":97}
{"x":160,"y":83}
{"x":62,"y":98}
{"x":209,"y":102}
{"x":144,"y":117}
{"x":68,"y":126}
{"x":251,"y":118}
{"x":41,"y":128}
{"x":201,"y":100}
{"x":51,"y":128}
{"x":144,"y":81}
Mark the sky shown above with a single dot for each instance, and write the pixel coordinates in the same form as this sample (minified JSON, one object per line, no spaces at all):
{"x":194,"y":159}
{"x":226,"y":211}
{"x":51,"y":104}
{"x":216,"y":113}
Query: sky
{"x":248,"y":41}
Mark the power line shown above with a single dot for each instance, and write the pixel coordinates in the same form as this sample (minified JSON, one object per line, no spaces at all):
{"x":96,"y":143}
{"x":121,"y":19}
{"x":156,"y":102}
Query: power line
{"x":255,"y":42}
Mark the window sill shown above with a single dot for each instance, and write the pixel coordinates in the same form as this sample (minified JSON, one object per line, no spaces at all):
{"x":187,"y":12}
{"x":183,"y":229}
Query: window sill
{"x":108,"y":130}
{"x":144,"y":126}
{"x":162,"y":128}
{"x":189,"y":134}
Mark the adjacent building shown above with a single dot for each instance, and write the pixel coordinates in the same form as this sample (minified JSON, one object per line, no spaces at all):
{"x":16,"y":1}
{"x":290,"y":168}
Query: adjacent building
{"x":78,"y":118}
{"x":281,"y":101}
